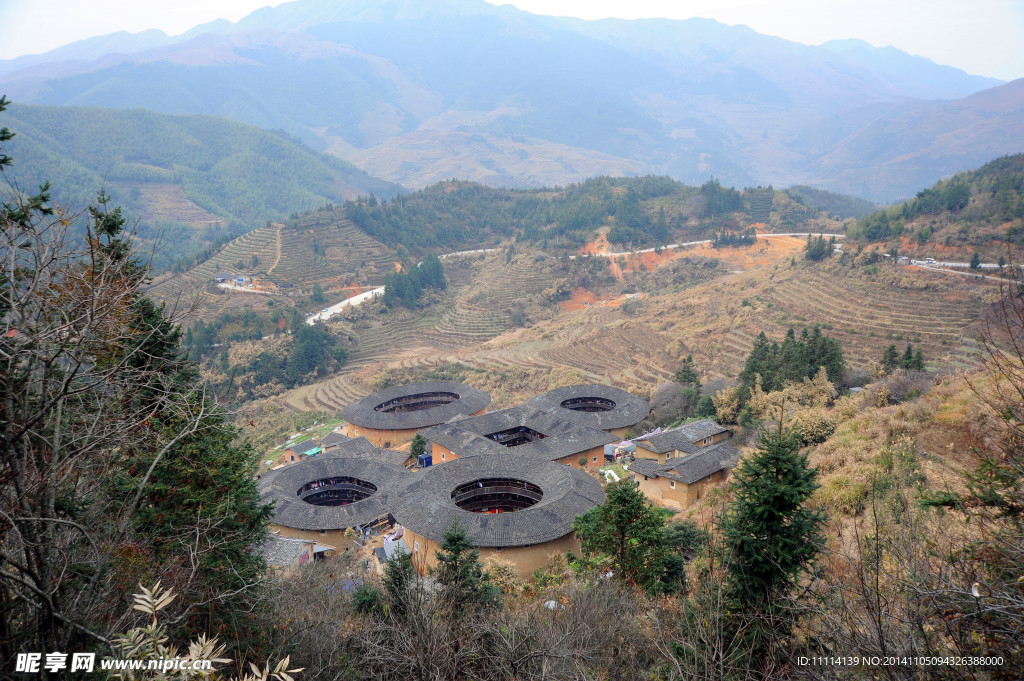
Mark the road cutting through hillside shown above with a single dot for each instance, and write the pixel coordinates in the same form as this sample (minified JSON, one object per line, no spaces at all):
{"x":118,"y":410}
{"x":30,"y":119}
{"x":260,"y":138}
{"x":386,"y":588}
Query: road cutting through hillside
{"x":332,"y":310}
{"x":774,"y":247}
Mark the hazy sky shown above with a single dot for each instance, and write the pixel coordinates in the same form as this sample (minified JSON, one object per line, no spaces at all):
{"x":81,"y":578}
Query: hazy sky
{"x":984,"y":37}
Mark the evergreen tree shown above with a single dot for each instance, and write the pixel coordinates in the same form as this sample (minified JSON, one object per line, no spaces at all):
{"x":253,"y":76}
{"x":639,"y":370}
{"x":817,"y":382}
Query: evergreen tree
{"x":418,"y":446}
{"x":975,"y":261}
{"x":204,"y":481}
{"x":793,"y":364}
{"x":124,"y":468}
{"x":772,"y":537}
{"x":433,"y":273}
{"x":705,"y":408}
{"x":628,"y":531}
{"x":825,"y":351}
{"x":907,"y":362}
{"x":399,"y":582}
{"x":759,"y":361}
{"x":918,"y":362}
{"x":464,"y":584}
{"x":793,"y":361}
{"x":890,"y":359}
{"x":318,"y":297}
{"x":687,"y":373}
{"x":817,"y":248}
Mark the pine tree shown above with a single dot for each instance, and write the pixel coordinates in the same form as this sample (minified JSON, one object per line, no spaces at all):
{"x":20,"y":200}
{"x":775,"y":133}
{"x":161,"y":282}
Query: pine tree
{"x":687,"y":373}
{"x":418,"y":446}
{"x":890,"y":359}
{"x":464,"y":584}
{"x":918,"y":362}
{"x":772,"y":536}
{"x":792,"y":361}
{"x":705,"y":408}
{"x":759,"y":361}
{"x":825,"y":351}
{"x":907,"y":362}
{"x":627,"y":530}
{"x":975,"y":261}
{"x":399,"y":582}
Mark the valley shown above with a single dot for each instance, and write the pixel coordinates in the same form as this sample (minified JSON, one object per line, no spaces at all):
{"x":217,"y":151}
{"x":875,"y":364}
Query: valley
{"x":748,"y":290}
{"x":391,"y":339}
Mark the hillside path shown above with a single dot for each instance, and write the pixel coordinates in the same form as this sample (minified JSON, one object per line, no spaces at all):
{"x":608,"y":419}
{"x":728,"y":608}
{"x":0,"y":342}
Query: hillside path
{"x":277,"y":246}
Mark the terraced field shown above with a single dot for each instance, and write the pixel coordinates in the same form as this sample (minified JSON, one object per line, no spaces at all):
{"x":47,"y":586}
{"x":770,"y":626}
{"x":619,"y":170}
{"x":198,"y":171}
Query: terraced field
{"x":286,"y":254}
{"x":868,"y":319}
{"x":716,"y":321}
{"x":760,"y":206}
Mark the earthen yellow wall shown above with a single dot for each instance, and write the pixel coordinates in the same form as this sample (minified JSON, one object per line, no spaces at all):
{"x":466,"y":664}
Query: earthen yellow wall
{"x":590,"y":454}
{"x":714,"y":438}
{"x":525,"y":558}
{"x":660,"y":490}
{"x":620,"y":432}
{"x":642,"y":453}
{"x":436,"y":452}
{"x":335,"y":538}
{"x":386,"y":438}
{"x":381,"y":438}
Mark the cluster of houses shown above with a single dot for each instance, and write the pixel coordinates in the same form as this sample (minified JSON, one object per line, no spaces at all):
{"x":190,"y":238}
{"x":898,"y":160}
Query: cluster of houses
{"x":261,"y":283}
{"x":514,"y":478}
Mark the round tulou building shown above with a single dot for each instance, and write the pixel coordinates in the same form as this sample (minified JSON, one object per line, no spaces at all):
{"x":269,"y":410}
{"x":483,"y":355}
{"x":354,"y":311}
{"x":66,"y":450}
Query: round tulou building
{"x":603,"y":407}
{"x":318,"y":499}
{"x":515,"y":506}
{"x":391,"y":417}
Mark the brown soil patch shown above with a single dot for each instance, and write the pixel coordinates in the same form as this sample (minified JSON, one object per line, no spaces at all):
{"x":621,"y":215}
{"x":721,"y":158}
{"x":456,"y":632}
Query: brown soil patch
{"x":597,"y":246}
{"x":621,"y":264}
{"x":762,"y":252}
{"x":581,"y":298}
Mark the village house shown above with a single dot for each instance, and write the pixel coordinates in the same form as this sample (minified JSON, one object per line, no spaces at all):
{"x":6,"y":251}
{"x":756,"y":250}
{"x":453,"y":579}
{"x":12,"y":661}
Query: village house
{"x":674,"y":468}
{"x":300,"y":450}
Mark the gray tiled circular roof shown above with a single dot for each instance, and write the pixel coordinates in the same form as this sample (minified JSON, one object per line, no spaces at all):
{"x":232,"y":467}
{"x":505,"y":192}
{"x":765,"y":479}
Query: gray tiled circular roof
{"x":629,"y":409}
{"x":363,"y":412}
{"x":424,"y":503}
{"x":282,"y":486}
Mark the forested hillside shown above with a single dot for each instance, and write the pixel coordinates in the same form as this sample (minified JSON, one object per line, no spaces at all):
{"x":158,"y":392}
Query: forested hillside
{"x":832,"y":203}
{"x":980,"y":209}
{"x":192,"y":178}
{"x":635,"y":212}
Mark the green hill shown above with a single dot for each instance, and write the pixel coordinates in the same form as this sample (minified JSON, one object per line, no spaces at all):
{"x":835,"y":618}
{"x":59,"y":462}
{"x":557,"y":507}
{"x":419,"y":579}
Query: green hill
{"x":978,"y":209}
{"x":840,"y":205}
{"x":194,"y":179}
{"x":635,"y":211}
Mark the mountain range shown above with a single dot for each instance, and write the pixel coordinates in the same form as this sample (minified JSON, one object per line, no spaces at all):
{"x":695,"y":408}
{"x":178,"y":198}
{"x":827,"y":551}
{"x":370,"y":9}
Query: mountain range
{"x":417,"y":92}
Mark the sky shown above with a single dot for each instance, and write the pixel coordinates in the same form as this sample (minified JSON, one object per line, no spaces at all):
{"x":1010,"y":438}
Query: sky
{"x":983,"y":37}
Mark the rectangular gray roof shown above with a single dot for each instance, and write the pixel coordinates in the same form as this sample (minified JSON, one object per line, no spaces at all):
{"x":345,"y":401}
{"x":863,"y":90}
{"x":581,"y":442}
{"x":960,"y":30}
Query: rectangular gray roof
{"x":332,"y":439}
{"x":303,"y":447}
{"x":668,"y":441}
{"x":698,"y":430}
{"x":282,"y":551}
{"x":468,"y":436}
{"x":683,"y":438}
{"x":691,"y":468}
